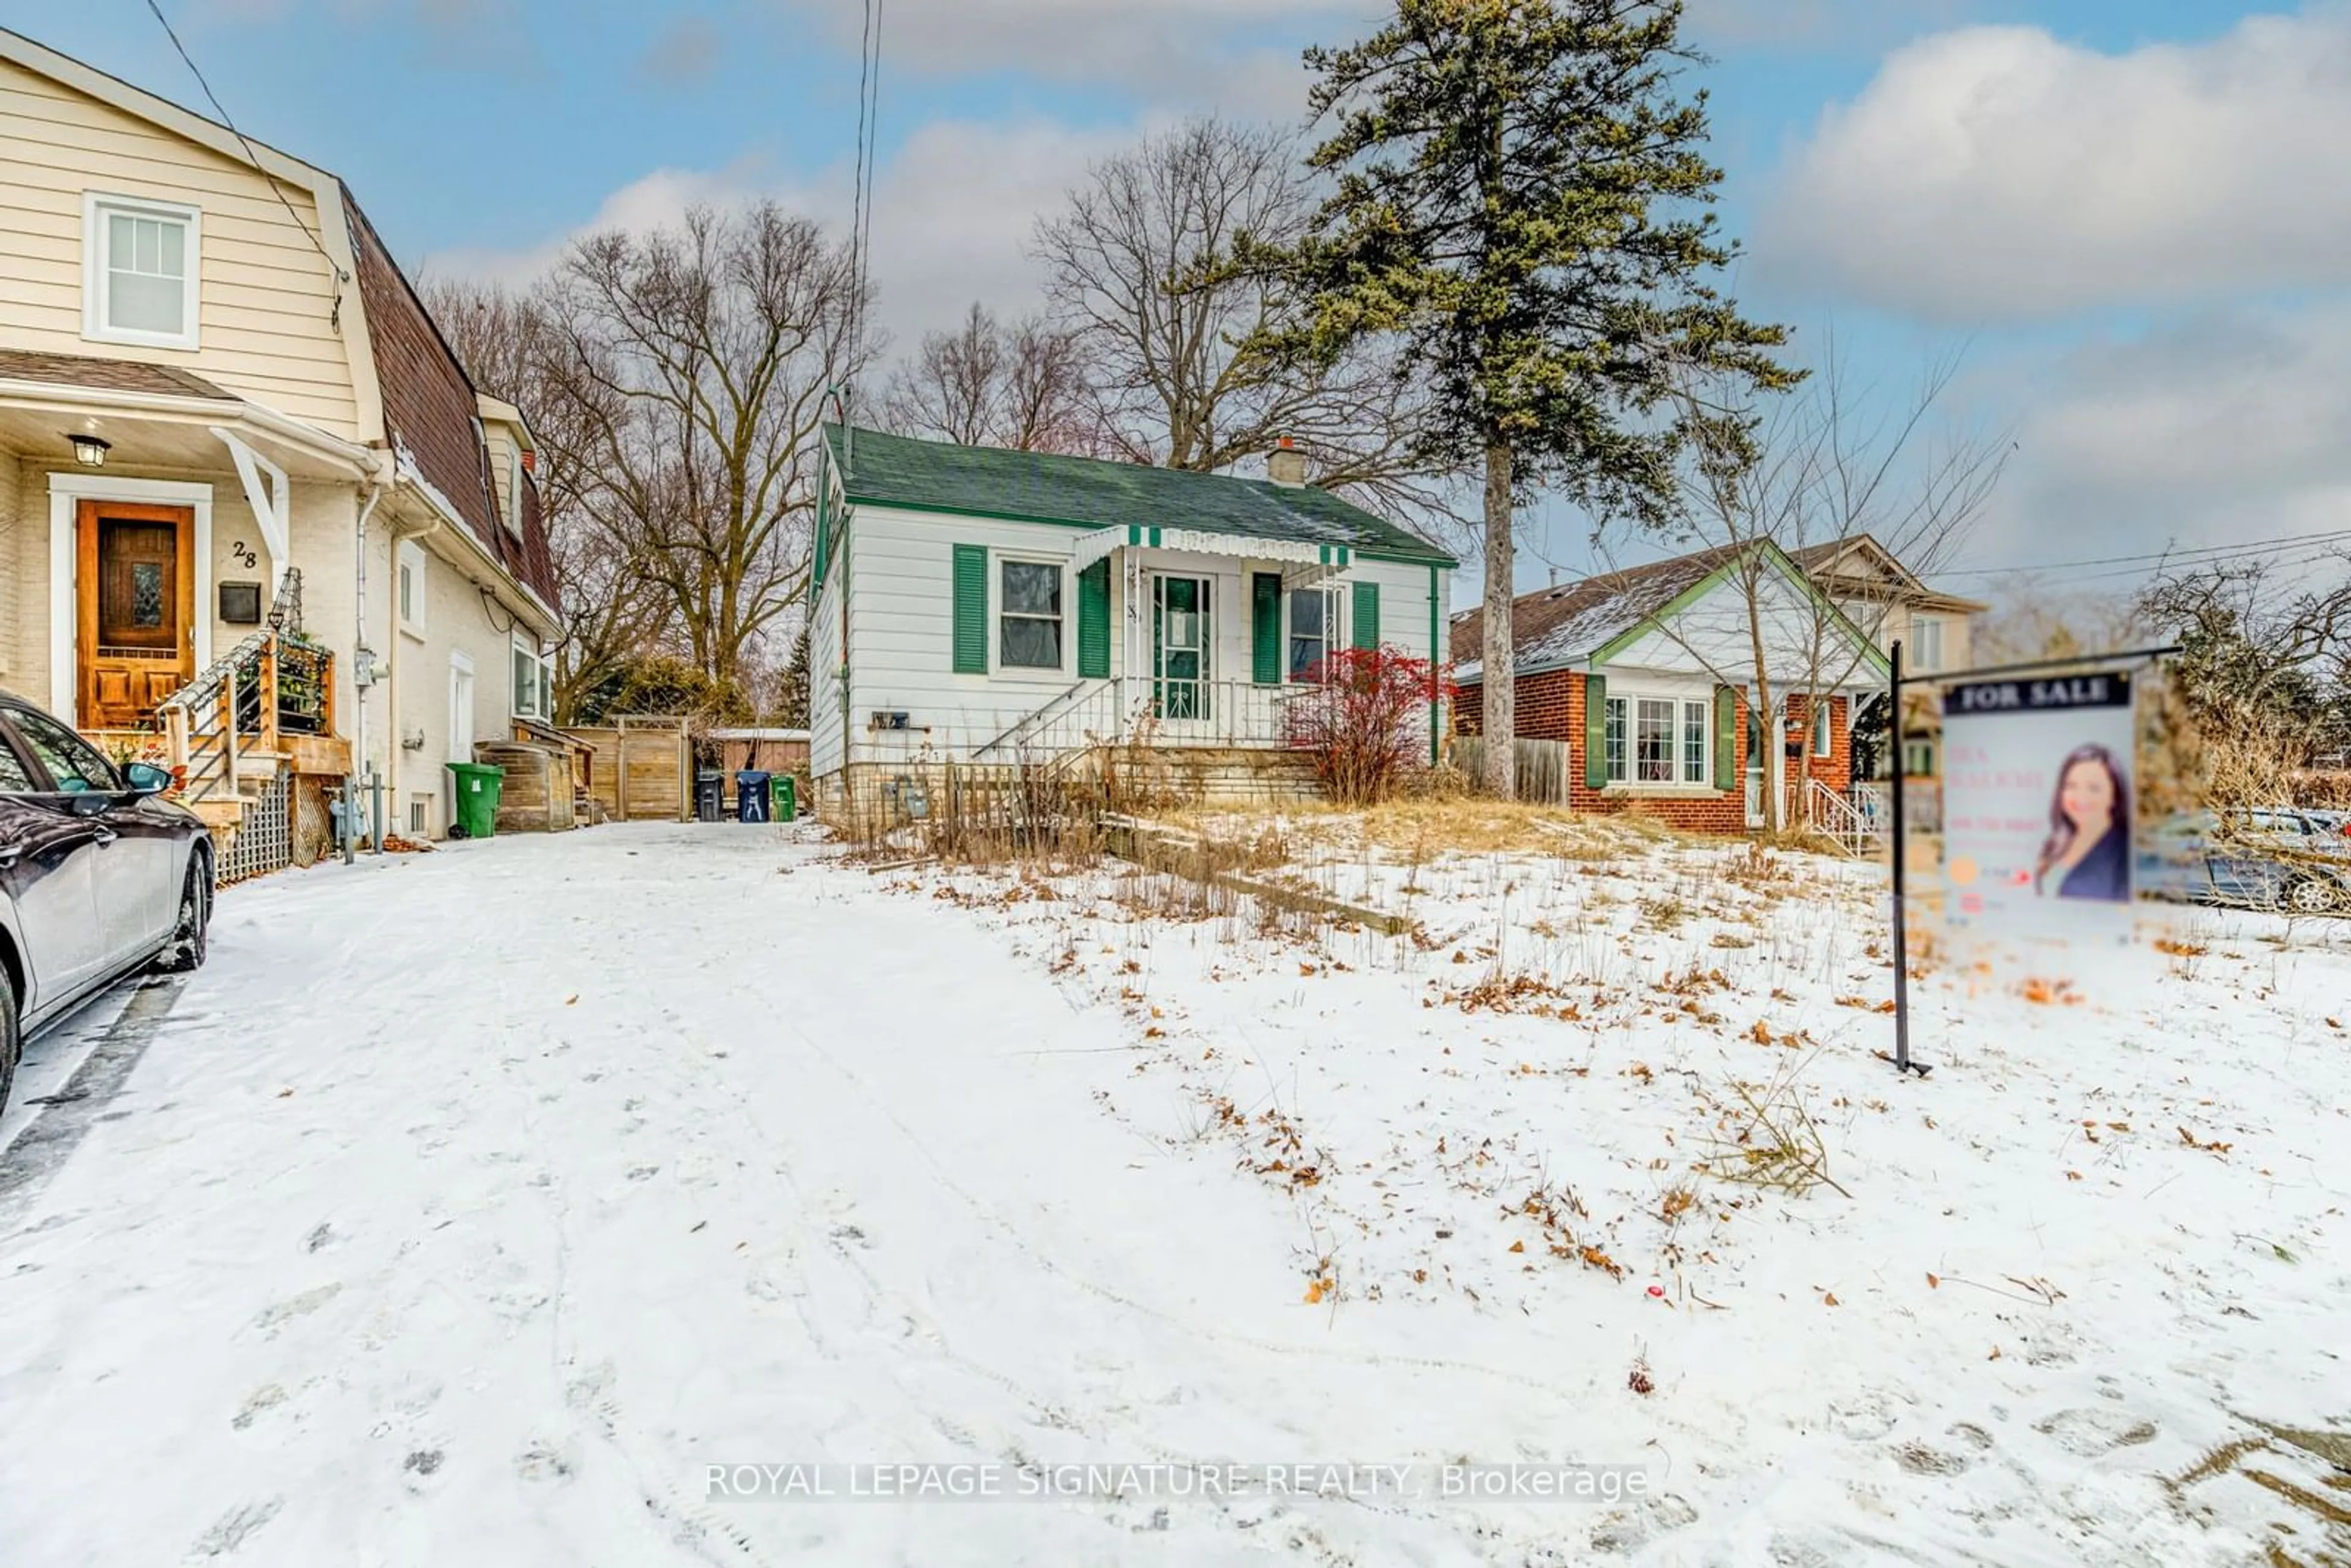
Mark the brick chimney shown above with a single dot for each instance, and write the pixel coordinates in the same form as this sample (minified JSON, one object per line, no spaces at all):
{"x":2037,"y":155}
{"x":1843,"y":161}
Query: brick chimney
{"x":1286,"y":465}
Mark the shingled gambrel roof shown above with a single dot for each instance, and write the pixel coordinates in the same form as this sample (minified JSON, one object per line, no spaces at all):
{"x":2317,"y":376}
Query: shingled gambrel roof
{"x":1045,"y":487}
{"x":430,"y":408}
{"x":1555,"y":626}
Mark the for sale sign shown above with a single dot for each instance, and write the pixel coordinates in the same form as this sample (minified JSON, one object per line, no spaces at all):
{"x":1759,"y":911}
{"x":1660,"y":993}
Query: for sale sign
{"x":2037,"y":797}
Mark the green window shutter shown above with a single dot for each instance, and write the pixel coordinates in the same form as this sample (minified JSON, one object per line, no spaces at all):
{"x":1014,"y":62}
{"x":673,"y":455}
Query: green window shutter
{"x":1595,"y":731}
{"x":1367,"y":615}
{"x":1093,"y":621}
{"x":1264,"y":628}
{"x":971,"y":610}
{"x":1726,"y":739}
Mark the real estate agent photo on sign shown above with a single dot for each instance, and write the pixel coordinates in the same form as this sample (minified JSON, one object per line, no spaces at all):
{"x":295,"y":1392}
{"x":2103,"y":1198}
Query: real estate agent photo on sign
{"x":2087,"y":851}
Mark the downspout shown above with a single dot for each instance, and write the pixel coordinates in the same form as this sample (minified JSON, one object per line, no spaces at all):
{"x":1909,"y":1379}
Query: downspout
{"x":362,"y":658}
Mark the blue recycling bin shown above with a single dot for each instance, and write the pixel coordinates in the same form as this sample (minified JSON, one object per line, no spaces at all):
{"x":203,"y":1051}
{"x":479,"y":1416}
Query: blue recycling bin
{"x":751,"y":800}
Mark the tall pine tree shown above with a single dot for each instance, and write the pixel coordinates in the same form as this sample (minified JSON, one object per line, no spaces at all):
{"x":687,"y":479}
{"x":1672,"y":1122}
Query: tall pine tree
{"x":1520,"y":195}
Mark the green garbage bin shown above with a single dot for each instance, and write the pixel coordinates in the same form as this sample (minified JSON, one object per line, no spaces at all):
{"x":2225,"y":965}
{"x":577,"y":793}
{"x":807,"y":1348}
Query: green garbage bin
{"x":478,"y":799}
{"x":787,"y":799}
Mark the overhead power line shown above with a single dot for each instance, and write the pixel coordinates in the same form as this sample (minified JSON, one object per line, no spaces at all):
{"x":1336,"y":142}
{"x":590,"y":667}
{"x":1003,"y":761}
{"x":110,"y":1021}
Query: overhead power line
{"x":2204,"y":555}
{"x":252,"y":155}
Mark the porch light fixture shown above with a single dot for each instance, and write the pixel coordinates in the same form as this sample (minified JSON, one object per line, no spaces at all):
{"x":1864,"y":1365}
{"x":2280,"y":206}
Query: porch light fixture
{"x":90,"y":450}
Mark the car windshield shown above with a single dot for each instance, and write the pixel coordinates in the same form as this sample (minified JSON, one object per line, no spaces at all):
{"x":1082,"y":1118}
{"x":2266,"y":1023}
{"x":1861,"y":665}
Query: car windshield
{"x":74,"y":765}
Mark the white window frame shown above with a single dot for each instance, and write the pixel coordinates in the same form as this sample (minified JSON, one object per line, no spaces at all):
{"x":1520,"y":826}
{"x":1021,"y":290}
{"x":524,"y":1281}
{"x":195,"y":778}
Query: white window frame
{"x":1922,"y":629}
{"x":1333,"y":633}
{"x":1621,"y":741}
{"x":526,"y":650}
{"x":1064,"y":619}
{"x":1823,"y":737}
{"x":97,"y":207}
{"x":410,"y":581}
{"x":514,"y":488}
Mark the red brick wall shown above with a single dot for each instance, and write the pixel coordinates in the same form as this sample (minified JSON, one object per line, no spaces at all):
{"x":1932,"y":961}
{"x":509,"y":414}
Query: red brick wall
{"x":1836,"y":769}
{"x":1550,"y":706}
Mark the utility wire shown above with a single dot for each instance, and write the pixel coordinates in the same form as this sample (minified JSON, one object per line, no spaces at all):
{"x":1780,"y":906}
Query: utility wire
{"x":251,"y":154}
{"x":2202,"y":553}
{"x":861,"y":218}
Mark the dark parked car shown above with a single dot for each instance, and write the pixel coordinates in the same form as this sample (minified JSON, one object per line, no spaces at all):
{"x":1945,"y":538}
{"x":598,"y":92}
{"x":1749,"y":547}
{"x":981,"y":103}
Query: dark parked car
{"x":2287,"y":859}
{"x":99,"y":875}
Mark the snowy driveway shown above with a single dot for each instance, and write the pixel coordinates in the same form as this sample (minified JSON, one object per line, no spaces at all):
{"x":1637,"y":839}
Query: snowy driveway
{"x":467,"y":1207}
{"x":479,"y":1200}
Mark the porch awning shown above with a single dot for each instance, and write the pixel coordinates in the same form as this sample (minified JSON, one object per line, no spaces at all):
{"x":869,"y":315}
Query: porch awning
{"x":1315,"y":560}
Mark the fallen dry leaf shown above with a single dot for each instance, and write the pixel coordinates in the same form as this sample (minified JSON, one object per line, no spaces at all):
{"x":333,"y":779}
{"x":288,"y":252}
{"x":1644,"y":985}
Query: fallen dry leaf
{"x":1316,"y":1292}
{"x":1518,"y":1246}
{"x":1829,"y":1299}
{"x":1933,"y":1282}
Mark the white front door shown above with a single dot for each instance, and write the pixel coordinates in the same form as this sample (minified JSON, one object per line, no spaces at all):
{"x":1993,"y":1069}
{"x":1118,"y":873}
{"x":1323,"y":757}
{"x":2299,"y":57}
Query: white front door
{"x":461,"y":720}
{"x":1755,"y":754}
{"x":1182,"y":638}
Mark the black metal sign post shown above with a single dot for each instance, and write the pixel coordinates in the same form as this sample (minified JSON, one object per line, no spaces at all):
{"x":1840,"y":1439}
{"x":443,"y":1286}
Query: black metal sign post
{"x":1902,"y":1062}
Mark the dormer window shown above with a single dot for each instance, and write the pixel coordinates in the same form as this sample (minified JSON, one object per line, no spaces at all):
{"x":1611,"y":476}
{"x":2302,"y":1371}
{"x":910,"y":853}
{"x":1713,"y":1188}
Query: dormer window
{"x":139,"y":271}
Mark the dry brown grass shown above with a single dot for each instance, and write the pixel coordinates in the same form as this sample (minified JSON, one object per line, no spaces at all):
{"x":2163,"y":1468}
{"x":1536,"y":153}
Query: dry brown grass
{"x":1426,"y":826}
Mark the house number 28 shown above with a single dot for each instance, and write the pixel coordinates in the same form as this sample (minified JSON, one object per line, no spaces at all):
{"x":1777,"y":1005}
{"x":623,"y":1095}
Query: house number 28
{"x":243,"y":552}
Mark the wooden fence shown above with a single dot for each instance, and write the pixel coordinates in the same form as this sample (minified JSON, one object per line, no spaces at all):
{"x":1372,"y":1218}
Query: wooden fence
{"x":641,"y":767}
{"x":1541,"y":766}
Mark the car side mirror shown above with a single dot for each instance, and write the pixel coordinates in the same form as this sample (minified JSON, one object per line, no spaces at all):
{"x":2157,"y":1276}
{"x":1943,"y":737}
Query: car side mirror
{"x":146,"y":779}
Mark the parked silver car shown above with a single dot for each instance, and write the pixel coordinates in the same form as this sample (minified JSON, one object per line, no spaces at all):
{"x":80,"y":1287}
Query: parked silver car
{"x":99,"y":875}
{"x":2281,"y":858}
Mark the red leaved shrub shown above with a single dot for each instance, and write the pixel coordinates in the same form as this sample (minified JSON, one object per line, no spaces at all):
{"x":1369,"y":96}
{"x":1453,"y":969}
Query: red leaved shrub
{"x":1365,"y":719}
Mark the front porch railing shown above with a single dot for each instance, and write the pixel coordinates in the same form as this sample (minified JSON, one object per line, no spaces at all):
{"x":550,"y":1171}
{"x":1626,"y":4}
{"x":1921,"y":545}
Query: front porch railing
{"x":1137,"y":710}
{"x":270,"y":685}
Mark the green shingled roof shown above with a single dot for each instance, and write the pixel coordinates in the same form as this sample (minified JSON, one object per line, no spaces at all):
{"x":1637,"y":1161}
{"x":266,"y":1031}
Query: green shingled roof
{"x":1035,"y":486}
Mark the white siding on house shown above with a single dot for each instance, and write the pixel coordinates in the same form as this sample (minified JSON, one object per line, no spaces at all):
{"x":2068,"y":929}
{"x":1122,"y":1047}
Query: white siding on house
{"x":1713,"y":635}
{"x":267,"y":297}
{"x":824,"y":680}
{"x":899,"y":567}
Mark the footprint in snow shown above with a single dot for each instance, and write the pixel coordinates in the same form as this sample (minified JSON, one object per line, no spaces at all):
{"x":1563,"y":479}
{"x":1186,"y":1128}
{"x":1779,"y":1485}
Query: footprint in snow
{"x":308,"y":1301}
{"x":2087,"y":1434}
{"x":233,"y":1528}
{"x":263,"y":1399}
{"x":323,"y":1235}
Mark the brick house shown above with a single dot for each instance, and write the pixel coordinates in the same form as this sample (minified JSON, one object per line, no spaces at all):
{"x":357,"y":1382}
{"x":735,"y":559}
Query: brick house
{"x":1647,"y":676}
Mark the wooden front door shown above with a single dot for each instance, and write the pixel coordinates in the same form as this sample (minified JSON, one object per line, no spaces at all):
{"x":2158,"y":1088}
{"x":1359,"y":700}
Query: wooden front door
{"x":137,"y":609}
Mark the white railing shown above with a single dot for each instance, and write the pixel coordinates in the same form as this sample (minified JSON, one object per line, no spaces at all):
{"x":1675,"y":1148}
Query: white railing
{"x":1141,"y":711}
{"x":1855,"y":826}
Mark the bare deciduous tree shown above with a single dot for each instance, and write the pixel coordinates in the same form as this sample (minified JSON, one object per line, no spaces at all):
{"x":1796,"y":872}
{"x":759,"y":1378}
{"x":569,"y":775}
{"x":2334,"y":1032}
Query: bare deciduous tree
{"x":710,"y":347}
{"x":1779,"y":484}
{"x":510,"y":346}
{"x":986,"y":385}
{"x":1175,"y":336}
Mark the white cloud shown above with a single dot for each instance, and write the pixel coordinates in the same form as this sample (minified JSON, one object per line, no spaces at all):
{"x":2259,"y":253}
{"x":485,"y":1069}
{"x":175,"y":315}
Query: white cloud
{"x":2225,"y":425}
{"x":1997,"y":173}
{"x":1170,"y":49}
{"x":953,"y":214}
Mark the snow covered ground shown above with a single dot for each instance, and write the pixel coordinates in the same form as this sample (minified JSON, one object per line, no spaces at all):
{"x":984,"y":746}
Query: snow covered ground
{"x":473,"y":1206}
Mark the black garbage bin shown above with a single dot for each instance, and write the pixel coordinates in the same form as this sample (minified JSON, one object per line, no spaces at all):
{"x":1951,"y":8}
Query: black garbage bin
{"x":709,"y":796}
{"x":751,"y":800}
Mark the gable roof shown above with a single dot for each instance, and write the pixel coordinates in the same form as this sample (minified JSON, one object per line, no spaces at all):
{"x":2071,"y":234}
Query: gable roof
{"x":1556,"y":627}
{"x":1858,"y":560}
{"x":1089,"y":492}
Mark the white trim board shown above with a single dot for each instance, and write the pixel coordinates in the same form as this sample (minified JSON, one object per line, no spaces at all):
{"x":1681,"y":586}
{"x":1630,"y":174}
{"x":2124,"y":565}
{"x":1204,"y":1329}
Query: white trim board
{"x":66,"y":489}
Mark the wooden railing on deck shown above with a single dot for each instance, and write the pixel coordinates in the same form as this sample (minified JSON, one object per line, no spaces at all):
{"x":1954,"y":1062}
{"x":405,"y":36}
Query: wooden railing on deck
{"x":271,"y":686}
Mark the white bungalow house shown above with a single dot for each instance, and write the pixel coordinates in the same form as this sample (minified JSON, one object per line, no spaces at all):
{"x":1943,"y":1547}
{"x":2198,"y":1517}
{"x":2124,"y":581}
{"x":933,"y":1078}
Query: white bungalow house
{"x":977,"y":605}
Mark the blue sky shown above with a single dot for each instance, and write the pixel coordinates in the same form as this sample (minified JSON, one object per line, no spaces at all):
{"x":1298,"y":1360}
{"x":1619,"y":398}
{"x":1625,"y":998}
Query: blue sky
{"x":2127,"y":212}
